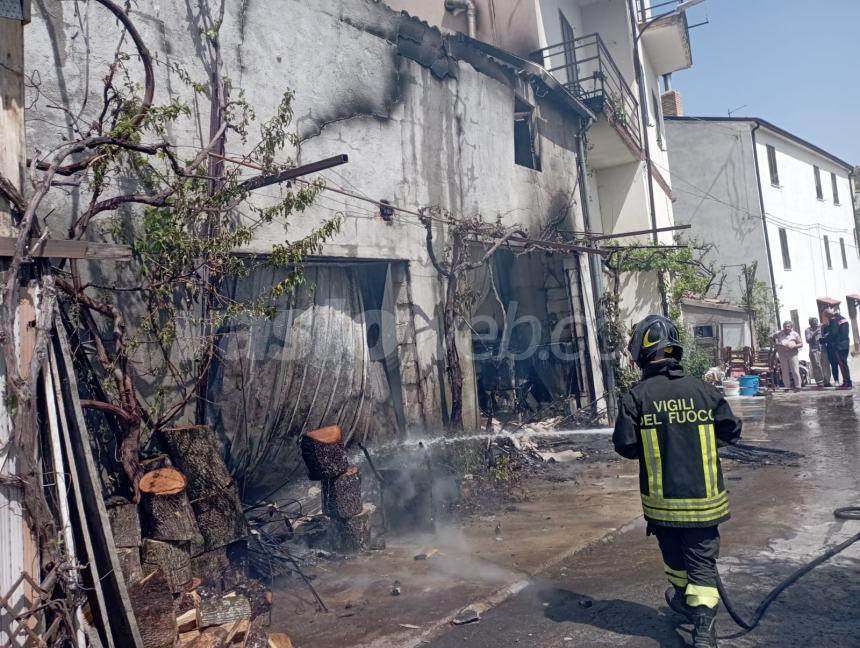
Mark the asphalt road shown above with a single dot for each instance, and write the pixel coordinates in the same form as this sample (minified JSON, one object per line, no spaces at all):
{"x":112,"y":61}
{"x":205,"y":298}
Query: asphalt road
{"x":612,"y":594}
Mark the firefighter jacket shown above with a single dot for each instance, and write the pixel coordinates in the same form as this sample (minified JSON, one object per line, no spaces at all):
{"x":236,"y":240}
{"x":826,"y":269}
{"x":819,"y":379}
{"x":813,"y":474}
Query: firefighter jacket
{"x":673,"y":423}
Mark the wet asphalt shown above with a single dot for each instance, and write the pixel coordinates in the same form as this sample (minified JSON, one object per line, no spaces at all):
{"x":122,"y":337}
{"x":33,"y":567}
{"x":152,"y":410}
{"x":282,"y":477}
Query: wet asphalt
{"x":782,"y":516}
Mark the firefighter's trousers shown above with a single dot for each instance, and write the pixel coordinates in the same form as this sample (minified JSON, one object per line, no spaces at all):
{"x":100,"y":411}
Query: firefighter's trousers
{"x":690,"y":560}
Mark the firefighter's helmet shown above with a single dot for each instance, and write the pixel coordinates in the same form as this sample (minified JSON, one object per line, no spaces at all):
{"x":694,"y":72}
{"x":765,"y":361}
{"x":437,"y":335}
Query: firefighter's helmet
{"x":655,"y":333}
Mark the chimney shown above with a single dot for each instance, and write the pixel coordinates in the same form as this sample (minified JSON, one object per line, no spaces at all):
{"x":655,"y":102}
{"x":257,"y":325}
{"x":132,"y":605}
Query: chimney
{"x":671,"y":101}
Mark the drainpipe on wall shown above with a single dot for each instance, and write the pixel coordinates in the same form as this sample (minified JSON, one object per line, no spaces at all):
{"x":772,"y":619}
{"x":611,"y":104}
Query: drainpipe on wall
{"x":596,"y":272}
{"x":471,"y":10}
{"x":639,"y":71}
{"x":764,"y":224}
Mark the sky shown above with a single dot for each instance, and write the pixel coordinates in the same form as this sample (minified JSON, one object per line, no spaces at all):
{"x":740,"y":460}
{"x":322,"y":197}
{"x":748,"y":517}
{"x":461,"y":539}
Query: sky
{"x":795,"y":64}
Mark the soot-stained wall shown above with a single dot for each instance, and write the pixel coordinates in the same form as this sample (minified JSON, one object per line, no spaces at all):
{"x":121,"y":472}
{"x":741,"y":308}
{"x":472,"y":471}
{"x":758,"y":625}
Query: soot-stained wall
{"x":425,"y":118}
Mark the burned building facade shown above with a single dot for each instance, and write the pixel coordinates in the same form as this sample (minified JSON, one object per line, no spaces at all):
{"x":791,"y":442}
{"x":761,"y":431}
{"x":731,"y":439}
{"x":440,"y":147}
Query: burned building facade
{"x":428,"y":120}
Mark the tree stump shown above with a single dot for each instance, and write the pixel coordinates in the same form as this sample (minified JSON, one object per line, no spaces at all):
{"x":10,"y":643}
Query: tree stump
{"x":324,"y":454}
{"x":352,"y":535}
{"x":124,"y":524}
{"x":171,"y":557}
{"x":167,"y":511}
{"x":210,"y":487}
{"x":342,"y":495}
{"x":152,"y":602}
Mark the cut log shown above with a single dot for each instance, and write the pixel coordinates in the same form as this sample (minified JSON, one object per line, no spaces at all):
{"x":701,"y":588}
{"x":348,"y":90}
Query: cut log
{"x":236,"y":631}
{"x":213,"y":495}
{"x":152,"y":602}
{"x":219,"y":611}
{"x":187,"y":621}
{"x":129,"y":562}
{"x":167,"y":511}
{"x":220,"y":519}
{"x":171,"y":557}
{"x":186,"y":638}
{"x":342,"y":495}
{"x":279,"y":640}
{"x":324,"y":454}
{"x":210,"y":638}
{"x":163,"y":481}
{"x":125,"y":524}
{"x":352,"y":535}
{"x":210,"y":565}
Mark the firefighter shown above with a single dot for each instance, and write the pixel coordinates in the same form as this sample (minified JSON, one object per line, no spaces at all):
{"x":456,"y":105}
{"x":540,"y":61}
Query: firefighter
{"x":673,"y":423}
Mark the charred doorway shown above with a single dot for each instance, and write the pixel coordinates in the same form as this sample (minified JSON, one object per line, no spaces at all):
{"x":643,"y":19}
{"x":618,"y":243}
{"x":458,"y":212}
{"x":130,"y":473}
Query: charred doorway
{"x":530,"y":338}
{"x":326,"y":354}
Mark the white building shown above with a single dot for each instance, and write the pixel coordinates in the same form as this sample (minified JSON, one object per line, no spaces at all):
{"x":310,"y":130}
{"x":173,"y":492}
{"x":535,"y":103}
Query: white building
{"x":763,"y":195}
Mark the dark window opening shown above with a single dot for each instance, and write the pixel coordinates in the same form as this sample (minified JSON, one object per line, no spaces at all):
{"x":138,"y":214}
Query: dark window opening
{"x":771,"y":165}
{"x":819,"y":192}
{"x":524,"y":136}
{"x":704,"y":331}
{"x":835,"y":188}
{"x":827,"y":252}
{"x":783,"y":245}
{"x":844,"y":256}
{"x":795,"y":319}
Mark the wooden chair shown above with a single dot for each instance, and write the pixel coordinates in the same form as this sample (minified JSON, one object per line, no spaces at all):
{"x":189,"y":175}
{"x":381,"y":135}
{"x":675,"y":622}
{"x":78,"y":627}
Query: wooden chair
{"x":762,"y":365}
{"x":736,"y":361}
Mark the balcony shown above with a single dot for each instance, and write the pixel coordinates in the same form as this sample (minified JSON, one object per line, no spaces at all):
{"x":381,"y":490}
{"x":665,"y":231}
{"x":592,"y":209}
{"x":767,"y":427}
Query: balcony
{"x":588,"y":72}
{"x":665,"y":36}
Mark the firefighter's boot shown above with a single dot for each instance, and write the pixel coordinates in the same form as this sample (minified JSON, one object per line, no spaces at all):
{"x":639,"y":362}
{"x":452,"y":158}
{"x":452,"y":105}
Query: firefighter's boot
{"x":705,"y":627}
{"x":677,"y":600}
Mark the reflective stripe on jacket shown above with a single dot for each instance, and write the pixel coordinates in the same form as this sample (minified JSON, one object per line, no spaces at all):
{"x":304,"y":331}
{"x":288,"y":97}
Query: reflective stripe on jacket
{"x":673,"y":423}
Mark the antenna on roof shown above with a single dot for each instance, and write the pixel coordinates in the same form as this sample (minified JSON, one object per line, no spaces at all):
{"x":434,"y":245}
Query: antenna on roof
{"x":738,"y":109}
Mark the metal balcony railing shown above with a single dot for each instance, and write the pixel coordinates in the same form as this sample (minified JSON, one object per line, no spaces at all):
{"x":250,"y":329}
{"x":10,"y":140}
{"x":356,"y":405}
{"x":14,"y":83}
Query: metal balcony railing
{"x":587,"y":70}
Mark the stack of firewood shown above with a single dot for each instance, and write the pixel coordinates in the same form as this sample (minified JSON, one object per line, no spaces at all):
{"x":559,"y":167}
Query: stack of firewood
{"x":176,"y":540}
{"x":325,"y":457}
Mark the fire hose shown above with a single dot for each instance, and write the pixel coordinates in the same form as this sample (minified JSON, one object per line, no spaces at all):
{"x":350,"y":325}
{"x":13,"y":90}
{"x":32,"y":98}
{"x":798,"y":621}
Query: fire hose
{"x":845,"y":513}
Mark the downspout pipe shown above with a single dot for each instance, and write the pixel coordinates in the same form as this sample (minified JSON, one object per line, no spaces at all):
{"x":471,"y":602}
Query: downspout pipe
{"x":764,"y":224}
{"x":471,"y":13}
{"x":596,"y":271}
{"x":639,"y":71}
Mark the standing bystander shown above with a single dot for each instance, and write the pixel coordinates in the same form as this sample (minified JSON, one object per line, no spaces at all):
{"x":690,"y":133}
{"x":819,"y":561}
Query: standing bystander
{"x":788,"y":343}
{"x":817,"y":354}
{"x":837,"y":340}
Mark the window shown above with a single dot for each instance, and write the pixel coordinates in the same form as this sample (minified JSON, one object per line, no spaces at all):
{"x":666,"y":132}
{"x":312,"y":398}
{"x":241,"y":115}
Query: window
{"x":835,"y":188}
{"x":844,"y":256}
{"x":783,"y":245}
{"x":771,"y":164}
{"x":706,"y":331}
{"x":525,"y":153}
{"x":658,"y":122}
{"x":819,"y":192}
{"x":795,"y":319}
{"x":827,"y":252}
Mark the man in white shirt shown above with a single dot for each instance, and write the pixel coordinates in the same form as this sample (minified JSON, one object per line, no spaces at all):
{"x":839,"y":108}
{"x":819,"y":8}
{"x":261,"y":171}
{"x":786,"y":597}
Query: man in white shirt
{"x":788,"y":343}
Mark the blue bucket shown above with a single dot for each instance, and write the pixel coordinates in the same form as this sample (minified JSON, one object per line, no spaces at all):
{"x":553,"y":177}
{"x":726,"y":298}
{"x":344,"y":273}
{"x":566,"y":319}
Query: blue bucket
{"x":749,"y":385}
